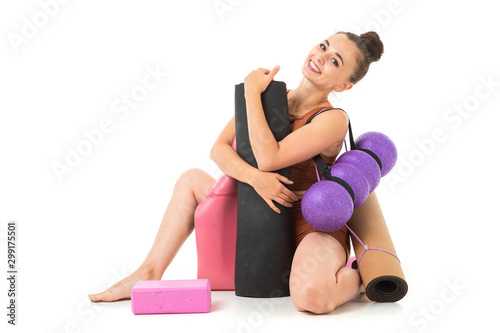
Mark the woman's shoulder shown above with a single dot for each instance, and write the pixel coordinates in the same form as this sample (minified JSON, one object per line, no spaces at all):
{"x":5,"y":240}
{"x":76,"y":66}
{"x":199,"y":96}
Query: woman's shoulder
{"x":330,"y":112}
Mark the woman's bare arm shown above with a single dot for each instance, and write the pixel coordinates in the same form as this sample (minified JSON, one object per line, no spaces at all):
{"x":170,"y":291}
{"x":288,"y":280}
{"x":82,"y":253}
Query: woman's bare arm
{"x":268,"y":185}
{"x":228,"y":160}
{"x":300,"y":145}
{"x":330,"y":128}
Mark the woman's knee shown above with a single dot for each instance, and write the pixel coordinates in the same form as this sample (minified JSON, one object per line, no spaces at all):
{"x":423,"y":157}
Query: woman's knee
{"x":189,"y":177}
{"x":196,"y":180}
{"x":313,"y":297}
{"x":312,"y":283}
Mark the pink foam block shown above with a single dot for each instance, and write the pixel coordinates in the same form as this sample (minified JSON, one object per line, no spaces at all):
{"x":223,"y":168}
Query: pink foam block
{"x":171,"y":296}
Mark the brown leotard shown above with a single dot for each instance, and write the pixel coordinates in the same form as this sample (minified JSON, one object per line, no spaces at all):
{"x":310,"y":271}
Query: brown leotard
{"x":304,"y":175}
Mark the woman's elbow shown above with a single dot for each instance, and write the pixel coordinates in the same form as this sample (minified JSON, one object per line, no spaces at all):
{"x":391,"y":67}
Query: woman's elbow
{"x":215,"y":152}
{"x":264,"y":166}
{"x":212,"y":153}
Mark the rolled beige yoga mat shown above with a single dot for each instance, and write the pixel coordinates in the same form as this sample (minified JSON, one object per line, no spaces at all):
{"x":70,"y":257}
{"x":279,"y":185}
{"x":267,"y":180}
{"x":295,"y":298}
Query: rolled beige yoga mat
{"x":380,"y":271}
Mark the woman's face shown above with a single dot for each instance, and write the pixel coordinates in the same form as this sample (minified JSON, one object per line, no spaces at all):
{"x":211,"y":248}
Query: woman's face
{"x":334,"y":59}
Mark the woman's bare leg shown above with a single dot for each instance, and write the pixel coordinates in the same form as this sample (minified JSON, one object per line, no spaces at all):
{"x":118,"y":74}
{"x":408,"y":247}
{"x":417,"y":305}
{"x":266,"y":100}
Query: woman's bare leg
{"x":319,"y":280}
{"x":177,"y":224}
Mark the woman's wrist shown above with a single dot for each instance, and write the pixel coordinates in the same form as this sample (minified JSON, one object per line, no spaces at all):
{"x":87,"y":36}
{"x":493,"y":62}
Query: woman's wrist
{"x":251,"y":94}
{"x":252,"y":175}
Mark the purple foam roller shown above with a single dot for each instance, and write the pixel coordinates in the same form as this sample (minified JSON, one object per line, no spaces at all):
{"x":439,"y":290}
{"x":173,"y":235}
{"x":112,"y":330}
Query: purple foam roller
{"x":356,"y":180}
{"x":382,"y":146}
{"x":326,"y":206}
{"x":365,"y":163}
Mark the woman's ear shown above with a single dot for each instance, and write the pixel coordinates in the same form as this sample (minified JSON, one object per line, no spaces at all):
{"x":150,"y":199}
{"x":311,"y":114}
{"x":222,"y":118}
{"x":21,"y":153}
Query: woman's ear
{"x":344,"y":86}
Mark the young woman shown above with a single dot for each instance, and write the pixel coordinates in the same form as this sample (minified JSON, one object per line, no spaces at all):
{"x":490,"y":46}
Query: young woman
{"x":319,"y":279}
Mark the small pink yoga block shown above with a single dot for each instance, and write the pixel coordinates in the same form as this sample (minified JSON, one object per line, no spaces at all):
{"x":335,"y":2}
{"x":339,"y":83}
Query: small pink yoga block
{"x":171,"y":296}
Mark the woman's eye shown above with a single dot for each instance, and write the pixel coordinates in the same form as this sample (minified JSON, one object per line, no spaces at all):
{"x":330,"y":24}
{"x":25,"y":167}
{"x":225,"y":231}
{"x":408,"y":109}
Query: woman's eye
{"x":335,"y":62}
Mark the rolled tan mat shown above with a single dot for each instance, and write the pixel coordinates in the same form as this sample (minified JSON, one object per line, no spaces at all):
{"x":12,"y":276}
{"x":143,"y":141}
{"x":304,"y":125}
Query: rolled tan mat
{"x":380,"y":271}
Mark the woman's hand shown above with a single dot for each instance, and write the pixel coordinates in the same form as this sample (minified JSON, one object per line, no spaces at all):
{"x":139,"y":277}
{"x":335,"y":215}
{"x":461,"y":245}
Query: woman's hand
{"x":269,"y":186}
{"x":258,"y":80}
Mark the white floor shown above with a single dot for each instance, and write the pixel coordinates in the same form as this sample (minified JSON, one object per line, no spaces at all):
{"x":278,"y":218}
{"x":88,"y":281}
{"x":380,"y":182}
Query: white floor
{"x":230,"y":313}
{"x":442,"y":307}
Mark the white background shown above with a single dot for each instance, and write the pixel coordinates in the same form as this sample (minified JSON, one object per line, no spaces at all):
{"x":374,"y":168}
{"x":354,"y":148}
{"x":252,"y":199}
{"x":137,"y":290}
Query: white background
{"x":82,"y":233}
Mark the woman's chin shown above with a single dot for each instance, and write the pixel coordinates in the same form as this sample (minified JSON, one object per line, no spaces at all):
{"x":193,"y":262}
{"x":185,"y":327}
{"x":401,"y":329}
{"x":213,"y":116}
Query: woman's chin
{"x":306,"y":74}
{"x":310,"y":77}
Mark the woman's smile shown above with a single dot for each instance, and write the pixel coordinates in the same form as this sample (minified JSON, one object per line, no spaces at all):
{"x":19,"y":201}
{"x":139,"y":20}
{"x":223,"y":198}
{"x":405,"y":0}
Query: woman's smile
{"x":312,"y":66}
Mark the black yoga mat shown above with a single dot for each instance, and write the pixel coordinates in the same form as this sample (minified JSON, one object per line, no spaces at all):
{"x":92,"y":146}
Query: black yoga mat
{"x":264,"y":247}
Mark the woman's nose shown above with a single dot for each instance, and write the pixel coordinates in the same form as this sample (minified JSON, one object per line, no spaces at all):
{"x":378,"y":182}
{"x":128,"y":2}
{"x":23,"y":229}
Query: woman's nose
{"x":322,"y":58}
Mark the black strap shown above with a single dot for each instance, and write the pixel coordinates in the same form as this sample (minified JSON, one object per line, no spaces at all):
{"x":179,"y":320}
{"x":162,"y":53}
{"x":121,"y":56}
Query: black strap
{"x":344,"y":185}
{"x":351,"y":137}
{"x":324,"y":168}
{"x":325,"y":171}
{"x":352,"y":145}
{"x":375,"y":157}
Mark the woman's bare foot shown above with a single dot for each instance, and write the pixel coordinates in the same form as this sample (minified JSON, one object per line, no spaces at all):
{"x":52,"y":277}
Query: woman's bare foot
{"x":122,"y":289}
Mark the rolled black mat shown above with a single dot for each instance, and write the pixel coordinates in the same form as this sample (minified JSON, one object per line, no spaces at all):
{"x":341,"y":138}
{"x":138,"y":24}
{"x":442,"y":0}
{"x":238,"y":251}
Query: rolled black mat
{"x":386,"y":289}
{"x":264,"y":246}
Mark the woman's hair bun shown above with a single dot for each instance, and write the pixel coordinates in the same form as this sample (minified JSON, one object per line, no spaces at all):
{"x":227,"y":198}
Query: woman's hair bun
{"x":373,"y":44}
